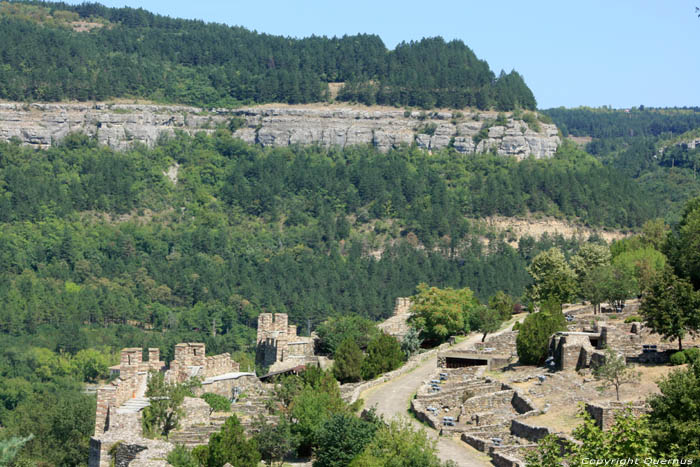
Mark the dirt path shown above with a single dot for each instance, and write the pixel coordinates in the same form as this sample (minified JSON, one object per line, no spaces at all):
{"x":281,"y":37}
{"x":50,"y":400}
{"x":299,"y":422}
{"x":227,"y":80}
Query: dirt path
{"x":393,"y":398}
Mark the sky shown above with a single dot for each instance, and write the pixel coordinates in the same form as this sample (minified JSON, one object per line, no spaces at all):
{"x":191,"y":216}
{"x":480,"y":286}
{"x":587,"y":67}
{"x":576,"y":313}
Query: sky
{"x":618,"y":53}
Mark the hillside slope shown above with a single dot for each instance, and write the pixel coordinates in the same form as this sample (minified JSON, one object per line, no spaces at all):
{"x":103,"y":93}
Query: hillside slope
{"x":47,"y":57}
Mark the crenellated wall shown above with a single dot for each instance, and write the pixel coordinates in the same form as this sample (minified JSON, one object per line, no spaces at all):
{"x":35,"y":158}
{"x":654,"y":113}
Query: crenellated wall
{"x":119,"y":404}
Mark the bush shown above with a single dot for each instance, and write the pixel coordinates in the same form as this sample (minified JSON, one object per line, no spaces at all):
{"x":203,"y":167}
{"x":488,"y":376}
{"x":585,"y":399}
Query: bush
{"x":692,"y":354}
{"x":533,"y":339}
{"x":216,"y":402}
{"x":384,"y":354}
{"x":427,"y":129}
{"x":678,"y":358}
{"x":516,"y":326}
{"x":333,"y":331}
{"x":235,"y":123}
{"x":531,"y":121}
{"x":349,"y":359}
{"x":633,"y":319}
{"x":341,"y":438}
{"x":182,"y":457}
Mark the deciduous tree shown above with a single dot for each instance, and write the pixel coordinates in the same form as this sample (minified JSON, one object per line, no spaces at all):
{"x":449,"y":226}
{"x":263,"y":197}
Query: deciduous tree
{"x":615,"y":372}
{"x":671,"y":307}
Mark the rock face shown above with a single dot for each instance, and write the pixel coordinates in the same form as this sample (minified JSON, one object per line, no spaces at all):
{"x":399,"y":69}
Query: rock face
{"x":121,"y":125}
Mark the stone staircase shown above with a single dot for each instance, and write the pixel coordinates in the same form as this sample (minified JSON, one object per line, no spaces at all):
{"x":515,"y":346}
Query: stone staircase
{"x":133,"y":405}
{"x":194,"y":435}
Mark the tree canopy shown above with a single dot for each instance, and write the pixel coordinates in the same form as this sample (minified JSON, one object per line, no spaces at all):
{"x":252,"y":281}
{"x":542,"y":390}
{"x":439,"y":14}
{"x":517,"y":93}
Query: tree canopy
{"x":134,"y":53}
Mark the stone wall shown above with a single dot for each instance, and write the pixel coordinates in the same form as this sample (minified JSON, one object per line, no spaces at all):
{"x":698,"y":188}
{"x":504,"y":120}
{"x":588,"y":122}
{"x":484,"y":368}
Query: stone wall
{"x":620,"y":340}
{"x":572,"y":350}
{"x":522,"y":404}
{"x":190,"y":360}
{"x":352,"y":391}
{"x":503,"y":343}
{"x":240,"y":382}
{"x":604,"y":414}
{"x":397,"y":325}
{"x":121,"y":125}
{"x":118,"y":423}
{"x":278,"y":345}
{"x":529,"y":432}
{"x":495,"y":400}
{"x":219,"y":365}
{"x":502,"y":460}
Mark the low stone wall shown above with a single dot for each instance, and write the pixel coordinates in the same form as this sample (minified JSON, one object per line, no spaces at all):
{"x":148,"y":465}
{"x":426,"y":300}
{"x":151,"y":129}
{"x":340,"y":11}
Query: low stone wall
{"x":423,"y":415}
{"x":502,"y":460}
{"x":477,"y":443}
{"x":195,"y":412}
{"x":604,"y":415}
{"x":522,"y":404}
{"x":485,"y":402}
{"x":352,"y":392}
{"x":528,"y":432}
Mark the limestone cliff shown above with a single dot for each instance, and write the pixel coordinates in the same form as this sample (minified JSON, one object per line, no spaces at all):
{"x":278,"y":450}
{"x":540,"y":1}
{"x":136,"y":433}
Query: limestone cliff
{"x":120,"y":125}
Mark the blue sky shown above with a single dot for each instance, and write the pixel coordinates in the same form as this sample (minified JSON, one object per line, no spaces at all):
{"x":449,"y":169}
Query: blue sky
{"x":619,"y":53}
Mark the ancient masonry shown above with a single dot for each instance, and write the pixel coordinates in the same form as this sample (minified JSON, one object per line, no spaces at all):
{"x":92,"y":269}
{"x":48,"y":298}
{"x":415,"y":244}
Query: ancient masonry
{"x":122,"y":125}
{"x":279,"y":346}
{"x":397,"y":325}
{"x":119,"y":404}
{"x":583,"y":346}
{"x":486,"y":413}
{"x":604,"y":414}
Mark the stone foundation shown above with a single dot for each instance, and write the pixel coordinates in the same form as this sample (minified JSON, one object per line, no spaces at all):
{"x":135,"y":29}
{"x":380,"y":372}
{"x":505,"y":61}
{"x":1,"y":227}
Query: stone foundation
{"x":604,"y":414}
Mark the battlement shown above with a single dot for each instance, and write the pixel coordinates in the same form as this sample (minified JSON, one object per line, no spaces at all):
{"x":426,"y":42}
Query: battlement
{"x":278,"y":341}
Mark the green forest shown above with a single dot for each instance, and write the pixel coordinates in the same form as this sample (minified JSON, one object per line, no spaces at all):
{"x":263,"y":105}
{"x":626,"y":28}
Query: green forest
{"x":649,"y":146}
{"x":99,"y":250}
{"x":137,"y":54}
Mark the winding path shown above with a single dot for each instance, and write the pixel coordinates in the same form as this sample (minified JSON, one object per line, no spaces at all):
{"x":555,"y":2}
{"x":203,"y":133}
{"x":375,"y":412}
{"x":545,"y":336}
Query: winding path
{"x":393,"y":398}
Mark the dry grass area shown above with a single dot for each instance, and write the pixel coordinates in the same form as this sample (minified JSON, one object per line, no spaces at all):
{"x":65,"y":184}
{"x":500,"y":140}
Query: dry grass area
{"x":580,"y":140}
{"x":535,"y":227}
{"x":561,"y":419}
{"x":564,"y":392}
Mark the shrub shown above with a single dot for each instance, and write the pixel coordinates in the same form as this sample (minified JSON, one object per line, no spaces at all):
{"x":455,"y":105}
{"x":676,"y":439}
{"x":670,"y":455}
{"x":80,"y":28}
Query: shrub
{"x":633,"y":319}
{"x":678,"y":358}
{"x":692,"y":354}
{"x":235,"y":123}
{"x":411,"y":342}
{"x":427,"y":129}
{"x":481,"y":135}
{"x":216,"y":402}
{"x":182,"y":457}
{"x":230,"y":445}
{"x":531,"y":121}
{"x":533,"y":338}
{"x":384,"y":354}
{"x":516,"y":326}
{"x":349,"y":360}
{"x":341,"y":438}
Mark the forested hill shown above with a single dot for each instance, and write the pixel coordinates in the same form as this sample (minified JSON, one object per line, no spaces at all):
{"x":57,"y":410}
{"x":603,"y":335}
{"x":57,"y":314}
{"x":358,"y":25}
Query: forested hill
{"x":655,"y":148}
{"x":53,"y":51}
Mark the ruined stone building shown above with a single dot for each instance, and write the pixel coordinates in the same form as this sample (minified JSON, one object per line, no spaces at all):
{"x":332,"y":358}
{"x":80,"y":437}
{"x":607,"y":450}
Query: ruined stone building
{"x":120,"y":403}
{"x":574,"y":350}
{"x":278,"y":345}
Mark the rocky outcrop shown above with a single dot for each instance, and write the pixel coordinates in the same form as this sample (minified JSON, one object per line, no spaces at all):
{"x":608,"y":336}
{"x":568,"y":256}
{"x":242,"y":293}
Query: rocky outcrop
{"x":121,"y":125}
